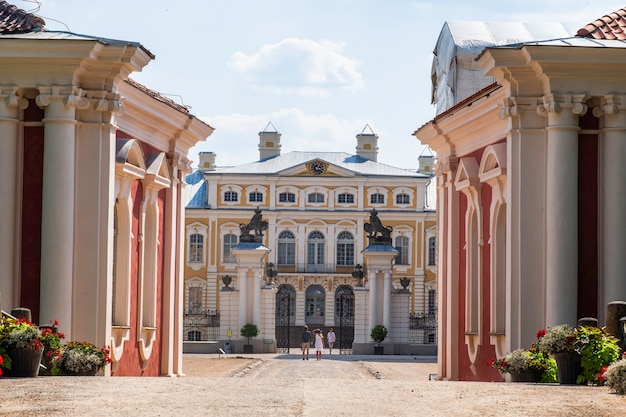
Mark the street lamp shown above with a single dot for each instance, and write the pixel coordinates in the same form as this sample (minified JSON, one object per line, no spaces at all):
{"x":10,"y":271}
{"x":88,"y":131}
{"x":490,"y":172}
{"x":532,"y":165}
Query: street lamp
{"x":358,"y":274}
{"x":271,"y":273}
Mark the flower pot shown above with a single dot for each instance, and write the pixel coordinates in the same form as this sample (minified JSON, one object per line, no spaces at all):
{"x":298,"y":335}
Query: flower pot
{"x":248,"y":348}
{"x":528,"y":375}
{"x":24,"y":362}
{"x":379,"y":350}
{"x":568,"y":367}
{"x":90,"y":372}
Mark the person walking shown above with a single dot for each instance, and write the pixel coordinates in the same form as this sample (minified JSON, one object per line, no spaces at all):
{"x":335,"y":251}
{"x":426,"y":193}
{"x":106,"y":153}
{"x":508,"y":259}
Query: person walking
{"x":319,"y":344}
{"x":330,"y":337}
{"x":305,"y":342}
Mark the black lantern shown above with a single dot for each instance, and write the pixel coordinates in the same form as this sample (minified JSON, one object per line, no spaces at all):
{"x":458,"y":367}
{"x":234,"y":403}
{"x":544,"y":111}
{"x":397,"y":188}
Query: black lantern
{"x":358,"y":274}
{"x":270,"y":273}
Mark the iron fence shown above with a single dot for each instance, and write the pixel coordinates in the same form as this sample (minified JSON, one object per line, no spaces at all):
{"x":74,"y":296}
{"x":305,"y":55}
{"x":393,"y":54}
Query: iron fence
{"x":201,"y":327}
{"x":423,"y":328}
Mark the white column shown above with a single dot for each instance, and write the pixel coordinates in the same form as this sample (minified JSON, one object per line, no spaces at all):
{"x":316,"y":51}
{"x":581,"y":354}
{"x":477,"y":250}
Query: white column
{"x":387,"y":302}
{"x":613,"y":201}
{"x":242,"y":277}
{"x":57,"y":229}
{"x":372,"y":283}
{"x":10,"y":104}
{"x":562,"y":211}
{"x":257,"y":282}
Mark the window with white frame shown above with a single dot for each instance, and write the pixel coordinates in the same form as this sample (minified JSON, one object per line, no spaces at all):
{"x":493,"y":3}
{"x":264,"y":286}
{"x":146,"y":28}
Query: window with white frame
{"x":403,"y":198}
{"x":286,"y":248}
{"x":255,"y":197}
{"x":315,"y":251}
{"x":286,"y":197}
{"x":346,"y":198}
{"x":231,"y":196}
{"x":432,"y":250}
{"x":196,"y":248}
{"x":432,"y":302}
{"x":345,"y":249}
{"x":316,"y":198}
{"x":402,"y":244}
{"x":230,"y":241}
{"x":195,"y":300}
{"x":377,"y":198}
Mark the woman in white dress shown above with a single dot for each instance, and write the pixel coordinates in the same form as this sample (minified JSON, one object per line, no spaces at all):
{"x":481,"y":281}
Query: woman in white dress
{"x":319,"y":344}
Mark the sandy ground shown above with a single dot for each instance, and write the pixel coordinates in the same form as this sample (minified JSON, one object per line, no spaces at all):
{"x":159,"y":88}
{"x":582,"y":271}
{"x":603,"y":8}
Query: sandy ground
{"x":285,"y":385}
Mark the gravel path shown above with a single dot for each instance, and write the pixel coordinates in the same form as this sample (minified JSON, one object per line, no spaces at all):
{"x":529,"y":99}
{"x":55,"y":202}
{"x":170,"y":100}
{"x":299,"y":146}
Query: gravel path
{"x":285,"y":385}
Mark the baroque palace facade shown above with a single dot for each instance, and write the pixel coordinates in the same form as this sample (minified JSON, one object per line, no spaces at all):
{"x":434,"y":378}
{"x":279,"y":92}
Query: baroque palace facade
{"x":314,"y":206}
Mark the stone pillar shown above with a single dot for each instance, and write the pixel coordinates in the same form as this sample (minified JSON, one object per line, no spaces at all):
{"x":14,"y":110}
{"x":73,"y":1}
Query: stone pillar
{"x":242,"y":278}
{"x":613,"y":199}
{"x":372,"y":283}
{"x":257,"y":282}
{"x":10,"y":105}
{"x":387,"y":303}
{"x":614,"y":312}
{"x":57,"y":229}
{"x":562,"y":208}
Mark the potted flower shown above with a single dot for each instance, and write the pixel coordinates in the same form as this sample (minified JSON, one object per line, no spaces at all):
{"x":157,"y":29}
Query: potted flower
{"x":523,"y":365}
{"x":378,"y":334}
{"x":80,"y":359}
{"x":249,"y":330}
{"x":598,"y":350}
{"x":20,"y":347}
{"x":562,"y":344}
{"x":51,"y":339}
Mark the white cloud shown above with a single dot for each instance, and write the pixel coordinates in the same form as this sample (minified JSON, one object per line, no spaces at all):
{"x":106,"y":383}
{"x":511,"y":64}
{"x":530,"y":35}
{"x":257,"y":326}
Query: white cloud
{"x":300,"y":66}
{"x":235,"y":140}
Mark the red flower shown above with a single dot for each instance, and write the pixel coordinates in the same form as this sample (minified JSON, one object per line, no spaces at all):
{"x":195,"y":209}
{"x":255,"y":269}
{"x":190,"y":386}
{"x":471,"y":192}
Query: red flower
{"x":491,"y":361}
{"x":600,"y":376}
{"x":541,"y":333}
{"x":1,"y":360}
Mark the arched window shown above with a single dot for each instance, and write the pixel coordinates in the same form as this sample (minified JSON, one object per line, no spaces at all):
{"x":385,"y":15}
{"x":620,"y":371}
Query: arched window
{"x":402,"y":244}
{"x":377,"y":198}
{"x":286,"y":248}
{"x":315,"y":305}
{"x":315,"y":252}
{"x":196,"y":248}
{"x":432,"y":251}
{"x":403,"y":198}
{"x":230,"y":241}
{"x":345,"y":198}
{"x":316,"y":198}
{"x":232,"y":196}
{"x":345,"y":249}
{"x":256,"y":197}
{"x":287,"y":197}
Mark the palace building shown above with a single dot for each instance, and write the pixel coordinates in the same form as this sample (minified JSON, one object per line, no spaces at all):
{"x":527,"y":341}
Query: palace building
{"x":311,"y":264}
{"x":530,"y":136}
{"x":92,"y":173}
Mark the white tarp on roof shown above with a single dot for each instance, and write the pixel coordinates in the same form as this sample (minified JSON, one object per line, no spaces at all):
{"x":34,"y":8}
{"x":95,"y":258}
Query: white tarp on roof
{"x":455,"y":74}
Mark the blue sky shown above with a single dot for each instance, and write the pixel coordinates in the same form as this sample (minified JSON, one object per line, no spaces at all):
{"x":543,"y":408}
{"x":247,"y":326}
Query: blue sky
{"x":318,"y":70}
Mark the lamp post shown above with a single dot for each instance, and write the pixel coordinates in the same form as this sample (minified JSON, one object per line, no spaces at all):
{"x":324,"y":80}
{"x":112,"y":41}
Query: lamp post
{"x":270,"y":272}
{"x":358,"y":274}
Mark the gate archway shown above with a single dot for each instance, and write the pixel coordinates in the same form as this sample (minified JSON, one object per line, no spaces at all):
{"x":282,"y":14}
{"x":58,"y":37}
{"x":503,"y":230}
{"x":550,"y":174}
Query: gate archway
{"x":285,"y":316}
{"x":344,"y":316}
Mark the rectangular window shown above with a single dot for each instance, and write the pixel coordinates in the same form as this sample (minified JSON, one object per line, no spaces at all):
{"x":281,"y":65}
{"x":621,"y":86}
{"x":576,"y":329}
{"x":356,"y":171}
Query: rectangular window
{"x":230,"y":241}
{"x":256,"y":197}
{"x":402,"y":199}
{"x":402,"y":244}
{"x":377,"y":198}
{"x":196,"y":248}
{"x":432,"y":251}
{"x":346,"y":198}
{"x":287,"y":198}
{"x":432,"y":302}
{"x":195,"y":300}
{"x":345,"y":254}
{"x":316,"y":198}
{"x":231,"y":196}
{"x":286,"y":253}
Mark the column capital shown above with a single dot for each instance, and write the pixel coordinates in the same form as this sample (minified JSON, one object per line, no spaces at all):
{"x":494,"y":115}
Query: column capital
{"x":612,"y":105}
{"x":69,"y":96}
{"x":516,"y":106}
{"x":446,"y":165}
{"x":555,"y":103}
{"x":11,"y":99}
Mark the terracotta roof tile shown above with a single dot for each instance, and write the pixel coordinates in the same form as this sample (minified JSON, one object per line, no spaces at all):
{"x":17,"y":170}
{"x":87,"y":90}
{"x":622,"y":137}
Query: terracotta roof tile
{"x":14,"y":20}
{"x":158,"y":96}
{"x":611,"y":26}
